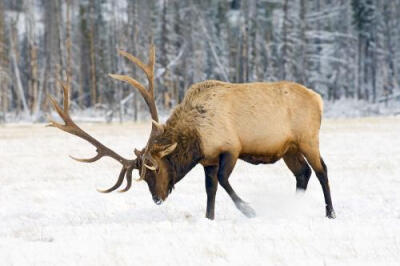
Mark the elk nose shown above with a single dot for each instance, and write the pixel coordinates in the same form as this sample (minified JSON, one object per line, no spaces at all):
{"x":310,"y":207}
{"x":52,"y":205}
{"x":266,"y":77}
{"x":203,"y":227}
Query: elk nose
{"x":157,"y":200}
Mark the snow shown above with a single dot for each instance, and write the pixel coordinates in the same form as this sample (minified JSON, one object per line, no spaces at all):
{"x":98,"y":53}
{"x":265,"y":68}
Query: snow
{"x":51,"y":214}
{"x":352,"y":108}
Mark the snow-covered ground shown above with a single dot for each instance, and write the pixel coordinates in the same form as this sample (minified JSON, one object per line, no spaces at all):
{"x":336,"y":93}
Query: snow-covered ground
{"x":51,"y":213}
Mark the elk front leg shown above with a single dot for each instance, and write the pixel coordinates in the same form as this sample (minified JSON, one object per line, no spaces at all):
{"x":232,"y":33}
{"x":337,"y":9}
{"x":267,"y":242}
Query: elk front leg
{"x":226,"y":164}
{"x":211,"y":189}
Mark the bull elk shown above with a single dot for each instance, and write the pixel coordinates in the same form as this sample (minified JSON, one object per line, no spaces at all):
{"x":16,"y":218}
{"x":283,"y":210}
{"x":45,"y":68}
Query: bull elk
{"x":216,"y":124}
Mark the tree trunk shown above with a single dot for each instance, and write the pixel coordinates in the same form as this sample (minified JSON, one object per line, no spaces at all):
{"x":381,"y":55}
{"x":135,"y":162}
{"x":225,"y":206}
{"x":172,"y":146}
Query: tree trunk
{"x":19,"y":89}
{"x":33,"y":79}
{"x":132,"y":19}
{"x":4,"y":77}
{"x":68,"y":44}
{"x":303,"y":45}
{"x":359,"y":68}
{"x":93,"y":92}
{"x":284,"y":40}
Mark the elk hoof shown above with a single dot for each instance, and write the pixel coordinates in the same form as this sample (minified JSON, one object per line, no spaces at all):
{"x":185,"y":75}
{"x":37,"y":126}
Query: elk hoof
{"x":330,"y":214}
{"x":245,"y":208}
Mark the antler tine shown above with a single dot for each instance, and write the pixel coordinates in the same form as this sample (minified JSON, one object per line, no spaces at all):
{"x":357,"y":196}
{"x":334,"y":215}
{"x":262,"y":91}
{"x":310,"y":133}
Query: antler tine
{"x":148,"y":69}
{"x":117,"y":184}
{"x":58,"y":110}
{"x":136,"y":61}
{"x":102,"y":151}
{"x":152,"y":60}
{"x":66,"y":97}
{"x":133,"y":82}
{"x":63,"y":113}
{"x":128,"y":181}
{"x":89,"y":160}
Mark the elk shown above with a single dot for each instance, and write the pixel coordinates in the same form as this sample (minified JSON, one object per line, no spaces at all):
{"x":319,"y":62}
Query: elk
{"x":216,"y":124}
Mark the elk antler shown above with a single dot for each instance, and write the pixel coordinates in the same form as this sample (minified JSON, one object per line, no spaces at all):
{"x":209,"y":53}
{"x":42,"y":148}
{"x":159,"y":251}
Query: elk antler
{"x":148,"y":94}
{"x":102,"y":151}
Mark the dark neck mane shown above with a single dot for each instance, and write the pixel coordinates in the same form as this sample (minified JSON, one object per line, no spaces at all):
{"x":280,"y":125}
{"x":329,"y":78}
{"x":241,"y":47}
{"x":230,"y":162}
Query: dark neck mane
{"x":183,"y":159}
{"x":188,"y":151}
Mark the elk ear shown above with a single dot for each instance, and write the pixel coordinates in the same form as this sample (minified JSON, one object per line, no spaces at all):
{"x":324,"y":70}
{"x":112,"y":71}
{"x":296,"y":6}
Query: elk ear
{"x":167,"y":150}
{"x":137,"y":152}
{"x":158,"y":128}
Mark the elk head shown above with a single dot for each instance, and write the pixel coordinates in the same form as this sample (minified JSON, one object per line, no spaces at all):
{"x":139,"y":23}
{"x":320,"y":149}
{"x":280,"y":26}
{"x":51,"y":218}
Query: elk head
{"x":149,"y":161}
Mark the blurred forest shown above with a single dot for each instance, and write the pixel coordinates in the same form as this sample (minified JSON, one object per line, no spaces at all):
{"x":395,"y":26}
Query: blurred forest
{"x":343,"y":49}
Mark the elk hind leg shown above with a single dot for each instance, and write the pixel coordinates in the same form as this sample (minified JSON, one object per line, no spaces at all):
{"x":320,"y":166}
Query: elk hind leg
{"x":299,"y":167}
{"x":226,"y":164}
{"x":311,"y":153}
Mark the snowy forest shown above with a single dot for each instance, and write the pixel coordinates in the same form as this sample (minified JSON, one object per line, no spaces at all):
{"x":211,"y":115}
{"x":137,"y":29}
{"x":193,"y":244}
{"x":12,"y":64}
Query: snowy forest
{"x":344,"y":50}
